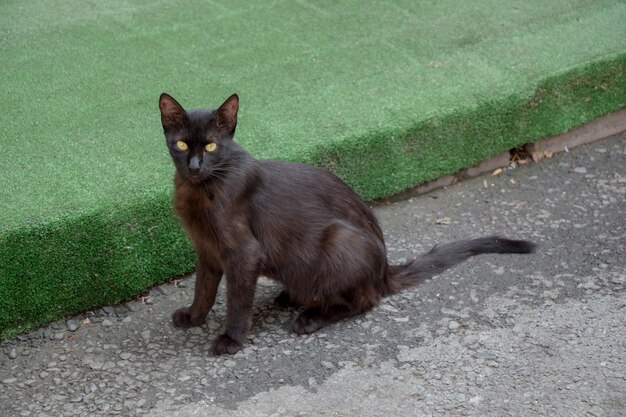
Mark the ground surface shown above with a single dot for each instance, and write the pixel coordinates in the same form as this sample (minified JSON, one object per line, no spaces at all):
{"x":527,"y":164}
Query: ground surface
{"x":387,"y":96}
{"x":499,"y":335}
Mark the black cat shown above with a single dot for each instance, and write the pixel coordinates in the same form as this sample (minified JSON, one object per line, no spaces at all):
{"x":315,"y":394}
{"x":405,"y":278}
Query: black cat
{"x":296,"y":224}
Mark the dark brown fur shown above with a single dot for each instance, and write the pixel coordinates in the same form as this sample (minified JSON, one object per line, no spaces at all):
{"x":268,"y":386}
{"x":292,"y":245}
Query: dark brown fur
{"x":294,"y":223}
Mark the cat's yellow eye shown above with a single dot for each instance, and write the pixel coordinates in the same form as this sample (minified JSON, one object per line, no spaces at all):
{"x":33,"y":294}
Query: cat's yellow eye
{"x":181,"y":145}
{"x":211,"y":147}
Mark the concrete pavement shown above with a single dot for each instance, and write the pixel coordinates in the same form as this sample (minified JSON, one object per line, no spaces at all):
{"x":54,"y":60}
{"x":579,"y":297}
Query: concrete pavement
{"x":498,"y":335}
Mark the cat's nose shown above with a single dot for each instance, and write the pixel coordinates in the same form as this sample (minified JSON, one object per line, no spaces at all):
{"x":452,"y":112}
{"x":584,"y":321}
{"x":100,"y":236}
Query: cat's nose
{"x":194,"y":164}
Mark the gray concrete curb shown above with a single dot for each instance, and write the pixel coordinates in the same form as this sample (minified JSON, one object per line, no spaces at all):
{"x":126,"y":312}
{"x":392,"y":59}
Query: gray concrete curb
{"x":595,"y":130}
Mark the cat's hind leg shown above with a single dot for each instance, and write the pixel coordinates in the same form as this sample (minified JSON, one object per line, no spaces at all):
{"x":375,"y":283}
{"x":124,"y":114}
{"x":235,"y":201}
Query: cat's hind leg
{"x":349,"y":279}
{"x":284,"y":301}
{"x":313,"y":319}
{"x":354,"y":303}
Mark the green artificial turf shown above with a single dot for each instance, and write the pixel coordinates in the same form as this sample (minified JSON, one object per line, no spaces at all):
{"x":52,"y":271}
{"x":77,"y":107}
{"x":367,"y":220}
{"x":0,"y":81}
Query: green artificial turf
{"x":387,"y":95}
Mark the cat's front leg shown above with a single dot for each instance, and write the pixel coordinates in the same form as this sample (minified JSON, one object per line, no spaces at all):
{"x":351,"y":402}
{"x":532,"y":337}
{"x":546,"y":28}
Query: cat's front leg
{"x":240,"y":286}
{"x":208,"y":279}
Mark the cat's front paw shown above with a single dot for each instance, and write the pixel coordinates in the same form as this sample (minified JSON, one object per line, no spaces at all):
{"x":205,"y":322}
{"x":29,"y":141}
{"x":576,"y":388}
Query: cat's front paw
{"x":184,"y":319}
{"x":225,"y":344}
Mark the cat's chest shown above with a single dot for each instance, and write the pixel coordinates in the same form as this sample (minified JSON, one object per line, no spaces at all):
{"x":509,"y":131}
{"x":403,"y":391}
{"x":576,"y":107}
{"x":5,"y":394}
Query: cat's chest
{"x":195,"y":208}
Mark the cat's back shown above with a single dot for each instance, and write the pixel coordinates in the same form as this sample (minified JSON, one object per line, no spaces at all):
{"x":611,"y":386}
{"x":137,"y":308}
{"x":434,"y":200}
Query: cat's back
{"x":301,"y":180}
{"x":312,"y":193}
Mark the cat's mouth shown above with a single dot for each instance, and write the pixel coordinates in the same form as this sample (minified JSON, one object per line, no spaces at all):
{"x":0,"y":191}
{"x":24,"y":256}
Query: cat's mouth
{"x":195,"y":178}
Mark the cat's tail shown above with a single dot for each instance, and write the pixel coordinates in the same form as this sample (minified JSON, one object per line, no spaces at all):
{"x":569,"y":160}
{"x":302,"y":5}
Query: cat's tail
{"x":442,"y":257}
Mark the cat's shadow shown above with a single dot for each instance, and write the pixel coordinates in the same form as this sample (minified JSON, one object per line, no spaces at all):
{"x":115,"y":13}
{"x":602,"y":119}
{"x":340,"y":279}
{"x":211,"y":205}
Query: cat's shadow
{"x":269,"y":320}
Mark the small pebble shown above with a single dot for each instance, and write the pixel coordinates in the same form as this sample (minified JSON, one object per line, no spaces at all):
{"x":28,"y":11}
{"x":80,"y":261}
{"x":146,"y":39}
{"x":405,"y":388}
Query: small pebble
{"x":161,"y":290}
{"x":130,"y":306}
{"x":453,"y":325}
{"x":72,"y":325}
{"x":107,"y":323}
{"x":12,"y":353}
{"x":108,"y":310}
{"x":59,"y":336}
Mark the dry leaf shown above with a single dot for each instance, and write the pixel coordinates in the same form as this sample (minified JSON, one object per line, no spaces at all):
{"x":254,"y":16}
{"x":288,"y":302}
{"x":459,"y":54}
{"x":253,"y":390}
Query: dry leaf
{"x":497,"y":172}
{"x":443,"y":220}
{"x":539,"y":155}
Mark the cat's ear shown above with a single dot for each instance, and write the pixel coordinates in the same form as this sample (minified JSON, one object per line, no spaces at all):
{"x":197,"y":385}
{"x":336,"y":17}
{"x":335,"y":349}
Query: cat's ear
{"x":172,"y":114}
{"x":226,"y":114}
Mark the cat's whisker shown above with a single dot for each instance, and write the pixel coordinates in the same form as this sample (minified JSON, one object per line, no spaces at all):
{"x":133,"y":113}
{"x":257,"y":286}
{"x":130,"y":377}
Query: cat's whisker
{"x":217,"y":174}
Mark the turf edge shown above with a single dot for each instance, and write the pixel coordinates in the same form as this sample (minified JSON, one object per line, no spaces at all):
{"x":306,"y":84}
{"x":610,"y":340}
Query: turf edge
{"x":54,"y":270}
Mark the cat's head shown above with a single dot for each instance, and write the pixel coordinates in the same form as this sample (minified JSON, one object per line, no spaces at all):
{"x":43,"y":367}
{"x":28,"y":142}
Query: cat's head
{"x":199,"y":140}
